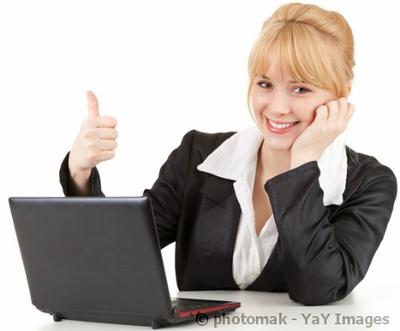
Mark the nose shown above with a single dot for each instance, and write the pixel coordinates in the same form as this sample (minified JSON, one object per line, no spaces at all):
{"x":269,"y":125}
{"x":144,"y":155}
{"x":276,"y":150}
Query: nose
{"x":278,"y":103}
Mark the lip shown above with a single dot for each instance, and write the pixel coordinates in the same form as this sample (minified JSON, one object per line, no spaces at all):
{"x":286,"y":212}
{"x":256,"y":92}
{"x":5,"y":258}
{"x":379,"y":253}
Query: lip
{"x":276,"y":130}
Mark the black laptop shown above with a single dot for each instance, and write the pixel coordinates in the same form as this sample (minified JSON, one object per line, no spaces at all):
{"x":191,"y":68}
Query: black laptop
{"x":98,"y":259}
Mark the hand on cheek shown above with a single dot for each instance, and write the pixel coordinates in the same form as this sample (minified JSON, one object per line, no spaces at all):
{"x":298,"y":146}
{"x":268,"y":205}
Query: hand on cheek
{"x":331,"y":120}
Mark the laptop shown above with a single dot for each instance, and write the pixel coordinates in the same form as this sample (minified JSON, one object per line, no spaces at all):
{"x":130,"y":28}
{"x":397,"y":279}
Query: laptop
{"x":98,"y":259}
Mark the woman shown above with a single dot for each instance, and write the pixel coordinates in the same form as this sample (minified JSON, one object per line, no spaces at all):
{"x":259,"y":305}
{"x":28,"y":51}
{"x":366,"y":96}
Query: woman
{"x":281,"y":206}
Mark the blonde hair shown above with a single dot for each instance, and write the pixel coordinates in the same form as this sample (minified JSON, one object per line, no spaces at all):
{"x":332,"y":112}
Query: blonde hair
{"x":315,"y":46}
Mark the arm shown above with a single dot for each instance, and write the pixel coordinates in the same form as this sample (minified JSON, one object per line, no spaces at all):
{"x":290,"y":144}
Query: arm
{"x":166,"y":194}
{"x":323,"y":260}
{"x":69,"y":187}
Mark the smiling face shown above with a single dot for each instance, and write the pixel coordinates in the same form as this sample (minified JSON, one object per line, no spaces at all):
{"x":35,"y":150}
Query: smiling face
{"x":277,"y":98}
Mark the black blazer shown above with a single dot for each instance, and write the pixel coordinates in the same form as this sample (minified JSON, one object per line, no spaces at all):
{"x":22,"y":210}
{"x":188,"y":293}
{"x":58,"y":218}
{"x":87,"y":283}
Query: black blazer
{"x":322,"y":252}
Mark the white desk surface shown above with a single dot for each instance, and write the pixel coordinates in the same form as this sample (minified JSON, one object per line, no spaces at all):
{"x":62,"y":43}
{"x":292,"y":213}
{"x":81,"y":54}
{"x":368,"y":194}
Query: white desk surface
{"x":255,"y":306}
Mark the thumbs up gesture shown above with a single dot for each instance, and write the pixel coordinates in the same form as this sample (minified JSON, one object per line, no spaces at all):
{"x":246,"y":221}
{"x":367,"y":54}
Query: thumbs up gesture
{"x":95,"y":142}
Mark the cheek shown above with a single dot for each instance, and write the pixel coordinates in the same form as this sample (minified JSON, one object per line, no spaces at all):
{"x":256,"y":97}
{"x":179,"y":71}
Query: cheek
{"x":306,"y":116}
{"x":256,"y":100}
{"x":305,"y":122}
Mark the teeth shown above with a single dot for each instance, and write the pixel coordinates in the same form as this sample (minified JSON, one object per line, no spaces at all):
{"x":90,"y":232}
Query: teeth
{"x":280,"y":126}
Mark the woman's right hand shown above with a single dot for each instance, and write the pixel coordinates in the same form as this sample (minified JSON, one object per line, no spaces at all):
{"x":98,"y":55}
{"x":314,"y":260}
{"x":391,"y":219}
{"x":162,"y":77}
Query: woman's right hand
{"x":95,"y":142}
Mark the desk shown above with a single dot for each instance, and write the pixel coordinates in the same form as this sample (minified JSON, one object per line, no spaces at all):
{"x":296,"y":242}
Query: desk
{"x":257,"y":307}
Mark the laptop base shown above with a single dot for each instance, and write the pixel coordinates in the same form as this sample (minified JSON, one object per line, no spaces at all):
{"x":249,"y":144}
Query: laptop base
{"x":121,"y":318}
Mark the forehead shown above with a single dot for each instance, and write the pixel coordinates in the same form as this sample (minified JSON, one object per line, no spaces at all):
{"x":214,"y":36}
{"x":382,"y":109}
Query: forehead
{"x":277,"y":72}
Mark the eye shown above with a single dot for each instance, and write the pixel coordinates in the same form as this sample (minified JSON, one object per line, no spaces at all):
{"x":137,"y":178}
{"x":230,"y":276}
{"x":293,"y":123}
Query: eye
{"x":265,"y":84}
{"x":305,"y":89}
{"x":261,"y":84}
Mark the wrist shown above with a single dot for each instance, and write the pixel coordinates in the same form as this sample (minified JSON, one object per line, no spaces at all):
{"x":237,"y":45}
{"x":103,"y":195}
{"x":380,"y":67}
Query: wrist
{"x":78,"y":173}
{"x":298,"y":159}
{"x":78,"y":182}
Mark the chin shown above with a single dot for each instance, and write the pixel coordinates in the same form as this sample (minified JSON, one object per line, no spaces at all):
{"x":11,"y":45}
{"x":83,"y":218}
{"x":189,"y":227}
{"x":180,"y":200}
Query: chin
{"x":278,"y":145}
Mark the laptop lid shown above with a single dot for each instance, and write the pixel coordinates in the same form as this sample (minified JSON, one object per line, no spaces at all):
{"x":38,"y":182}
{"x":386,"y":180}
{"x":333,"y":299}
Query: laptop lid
{"x":91,"y":254}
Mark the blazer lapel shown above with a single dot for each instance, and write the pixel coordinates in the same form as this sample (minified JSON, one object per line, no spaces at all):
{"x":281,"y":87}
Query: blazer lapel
{"x":213,"y":238}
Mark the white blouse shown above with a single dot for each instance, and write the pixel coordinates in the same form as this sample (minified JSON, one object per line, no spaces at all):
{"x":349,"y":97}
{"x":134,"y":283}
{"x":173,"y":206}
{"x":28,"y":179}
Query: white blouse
{"x":251,"y":252}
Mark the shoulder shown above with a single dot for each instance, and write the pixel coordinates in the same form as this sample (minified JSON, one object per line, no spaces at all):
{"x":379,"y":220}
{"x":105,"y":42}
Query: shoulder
{"x":205,"y":142}
{"x":367,"y":165}
{"x":365,"y":171}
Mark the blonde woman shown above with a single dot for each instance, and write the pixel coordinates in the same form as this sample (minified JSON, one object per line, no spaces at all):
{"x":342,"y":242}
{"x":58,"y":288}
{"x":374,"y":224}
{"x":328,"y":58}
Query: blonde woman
{"x":282,"y":206}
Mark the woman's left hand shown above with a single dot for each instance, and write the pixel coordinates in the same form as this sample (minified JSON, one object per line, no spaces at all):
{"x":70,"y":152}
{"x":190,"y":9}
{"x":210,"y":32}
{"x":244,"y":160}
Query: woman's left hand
{"x":331,"y":120}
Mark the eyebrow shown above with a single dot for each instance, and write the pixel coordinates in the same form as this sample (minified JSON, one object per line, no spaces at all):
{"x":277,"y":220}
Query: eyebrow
{"x":292,"y":81}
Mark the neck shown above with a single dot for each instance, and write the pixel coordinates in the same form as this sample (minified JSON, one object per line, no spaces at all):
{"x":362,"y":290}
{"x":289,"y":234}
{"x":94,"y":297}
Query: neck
{"x":272,"y":162}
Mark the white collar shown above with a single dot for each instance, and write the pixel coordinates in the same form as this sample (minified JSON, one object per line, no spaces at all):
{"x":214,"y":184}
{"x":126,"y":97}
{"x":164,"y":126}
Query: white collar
{"x":237,"y":154}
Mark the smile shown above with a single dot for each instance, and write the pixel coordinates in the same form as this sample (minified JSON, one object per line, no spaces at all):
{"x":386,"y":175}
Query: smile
{"x":282,"y":127}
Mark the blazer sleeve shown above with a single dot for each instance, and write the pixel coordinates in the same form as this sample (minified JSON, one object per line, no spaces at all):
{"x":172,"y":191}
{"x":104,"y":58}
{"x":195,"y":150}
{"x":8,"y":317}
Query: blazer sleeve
{"x":166,"y":194}
{"x":323,"y":260}
{"x":65,"y":180}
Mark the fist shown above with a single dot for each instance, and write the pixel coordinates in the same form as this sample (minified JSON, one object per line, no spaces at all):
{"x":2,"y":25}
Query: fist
{"x":330,"y":120}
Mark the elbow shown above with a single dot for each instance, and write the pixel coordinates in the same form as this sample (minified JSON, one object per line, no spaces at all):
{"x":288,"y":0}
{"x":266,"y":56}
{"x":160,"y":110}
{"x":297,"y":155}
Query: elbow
{"x":315,"y":289}
{"x":315,"y":298}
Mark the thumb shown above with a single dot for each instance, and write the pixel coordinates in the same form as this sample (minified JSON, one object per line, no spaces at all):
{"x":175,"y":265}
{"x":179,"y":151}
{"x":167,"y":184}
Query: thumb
{"x":93,"y":104}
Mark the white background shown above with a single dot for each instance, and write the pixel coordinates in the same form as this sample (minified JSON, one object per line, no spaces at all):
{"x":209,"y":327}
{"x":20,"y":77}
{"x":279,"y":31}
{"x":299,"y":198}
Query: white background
{"x":163,"y":68}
